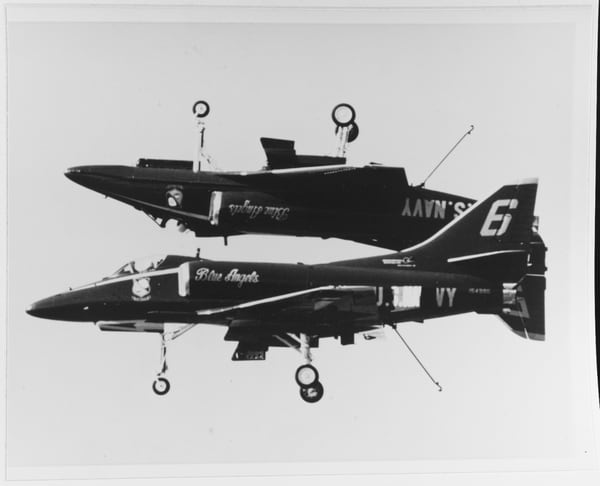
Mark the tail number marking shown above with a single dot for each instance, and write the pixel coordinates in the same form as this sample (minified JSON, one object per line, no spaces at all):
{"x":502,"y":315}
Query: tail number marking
{"x":439,"y":295}
{"x":495,"y":216}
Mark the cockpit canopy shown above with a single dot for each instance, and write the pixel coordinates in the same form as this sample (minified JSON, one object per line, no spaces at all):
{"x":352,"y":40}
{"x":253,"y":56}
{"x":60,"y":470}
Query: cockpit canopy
{"x":139,"y":265}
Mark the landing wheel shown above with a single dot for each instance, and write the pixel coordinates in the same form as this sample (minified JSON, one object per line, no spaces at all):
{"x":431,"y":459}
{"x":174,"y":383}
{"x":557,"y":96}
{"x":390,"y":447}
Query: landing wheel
{"x":161,"y":386}
{"x":307,"y":375}
{"x":343,"y":115}
{"x":201,"y":109}
{"x":353,"y":133}
{"x":312,"y":393}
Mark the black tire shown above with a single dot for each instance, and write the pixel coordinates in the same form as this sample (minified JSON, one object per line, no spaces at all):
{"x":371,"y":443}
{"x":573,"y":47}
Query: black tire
{"x":161,"y":386}
{"x":313,"y":393}
{"x":201,"y":109}
{"x":344,"y":122}
{"x":353,"y":135}
{"x":303,"y":370}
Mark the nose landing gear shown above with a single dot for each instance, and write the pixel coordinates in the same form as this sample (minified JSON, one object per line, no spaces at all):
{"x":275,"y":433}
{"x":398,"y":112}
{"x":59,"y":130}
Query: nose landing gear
{"x":200,"y":110}
{"x":161,"y":385}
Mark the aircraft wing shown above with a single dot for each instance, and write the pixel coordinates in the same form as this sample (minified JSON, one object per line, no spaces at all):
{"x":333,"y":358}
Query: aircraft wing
{"x":319,"y":313}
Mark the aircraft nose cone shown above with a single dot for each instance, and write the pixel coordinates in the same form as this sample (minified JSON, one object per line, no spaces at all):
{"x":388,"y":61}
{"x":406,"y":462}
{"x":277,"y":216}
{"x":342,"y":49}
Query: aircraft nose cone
{"x":86,"y":176}
{"x":72,"y":172}
{"x":120,"y":182}
{"x":69,"y":306}
{"x":42,"y":308}
{"x":109,"y":180}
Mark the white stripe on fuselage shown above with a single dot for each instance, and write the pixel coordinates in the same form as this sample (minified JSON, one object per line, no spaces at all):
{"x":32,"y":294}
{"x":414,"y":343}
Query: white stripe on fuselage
{"x":166,"y":208}
{"x":481,"y":255}
{"x":252,"y":303}
{"x":295,"y":170}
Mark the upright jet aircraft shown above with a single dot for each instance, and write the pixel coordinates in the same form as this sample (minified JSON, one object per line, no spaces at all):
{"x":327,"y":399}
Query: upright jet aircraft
{"x":490,"y":260}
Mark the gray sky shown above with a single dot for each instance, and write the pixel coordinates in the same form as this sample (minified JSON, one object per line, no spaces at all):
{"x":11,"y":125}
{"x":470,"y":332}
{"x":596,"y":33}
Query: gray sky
{"x":93,"y":93}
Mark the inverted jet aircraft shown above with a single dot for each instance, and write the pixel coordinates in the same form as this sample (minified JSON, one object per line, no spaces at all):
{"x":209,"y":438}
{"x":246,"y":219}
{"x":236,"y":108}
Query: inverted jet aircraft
{"x":490,"y":260}
{"x":301,"y":195}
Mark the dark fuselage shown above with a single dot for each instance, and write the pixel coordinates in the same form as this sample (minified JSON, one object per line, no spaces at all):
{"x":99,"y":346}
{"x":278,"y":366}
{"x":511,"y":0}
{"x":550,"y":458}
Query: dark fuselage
{"x":372,"y":204}
{"x":293,"y":297}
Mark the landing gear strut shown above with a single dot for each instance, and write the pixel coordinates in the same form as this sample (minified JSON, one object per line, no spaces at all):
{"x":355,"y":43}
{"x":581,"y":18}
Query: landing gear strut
{"x":346,"y":129}
{"x":161,"y":385}
{"x":200,"y":110}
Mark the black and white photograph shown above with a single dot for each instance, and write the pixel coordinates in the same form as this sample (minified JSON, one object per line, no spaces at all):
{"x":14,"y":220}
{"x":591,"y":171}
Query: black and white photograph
{"x":300,"y":241}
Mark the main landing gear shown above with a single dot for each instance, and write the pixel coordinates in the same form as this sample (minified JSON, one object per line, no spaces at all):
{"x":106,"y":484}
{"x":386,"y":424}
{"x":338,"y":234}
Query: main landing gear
{"x":307,"y":376}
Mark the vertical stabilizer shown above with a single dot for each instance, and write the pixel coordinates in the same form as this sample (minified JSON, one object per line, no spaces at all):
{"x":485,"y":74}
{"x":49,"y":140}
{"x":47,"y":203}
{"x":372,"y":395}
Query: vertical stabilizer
{"x":502,"y":223}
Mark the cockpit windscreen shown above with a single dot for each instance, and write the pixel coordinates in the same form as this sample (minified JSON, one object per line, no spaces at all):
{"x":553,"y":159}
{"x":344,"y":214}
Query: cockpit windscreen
{"x":138,"y":266}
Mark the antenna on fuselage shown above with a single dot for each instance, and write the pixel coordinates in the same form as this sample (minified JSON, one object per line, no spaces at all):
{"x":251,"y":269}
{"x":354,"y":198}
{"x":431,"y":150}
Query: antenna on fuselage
{"x":346,"y":129}
{"x":468,"y":132}
{"x":200,"y":110}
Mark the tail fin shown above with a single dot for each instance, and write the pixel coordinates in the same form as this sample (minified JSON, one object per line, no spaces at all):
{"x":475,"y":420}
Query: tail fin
{"x":500,"y":224}
{"x":495,"y":239}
